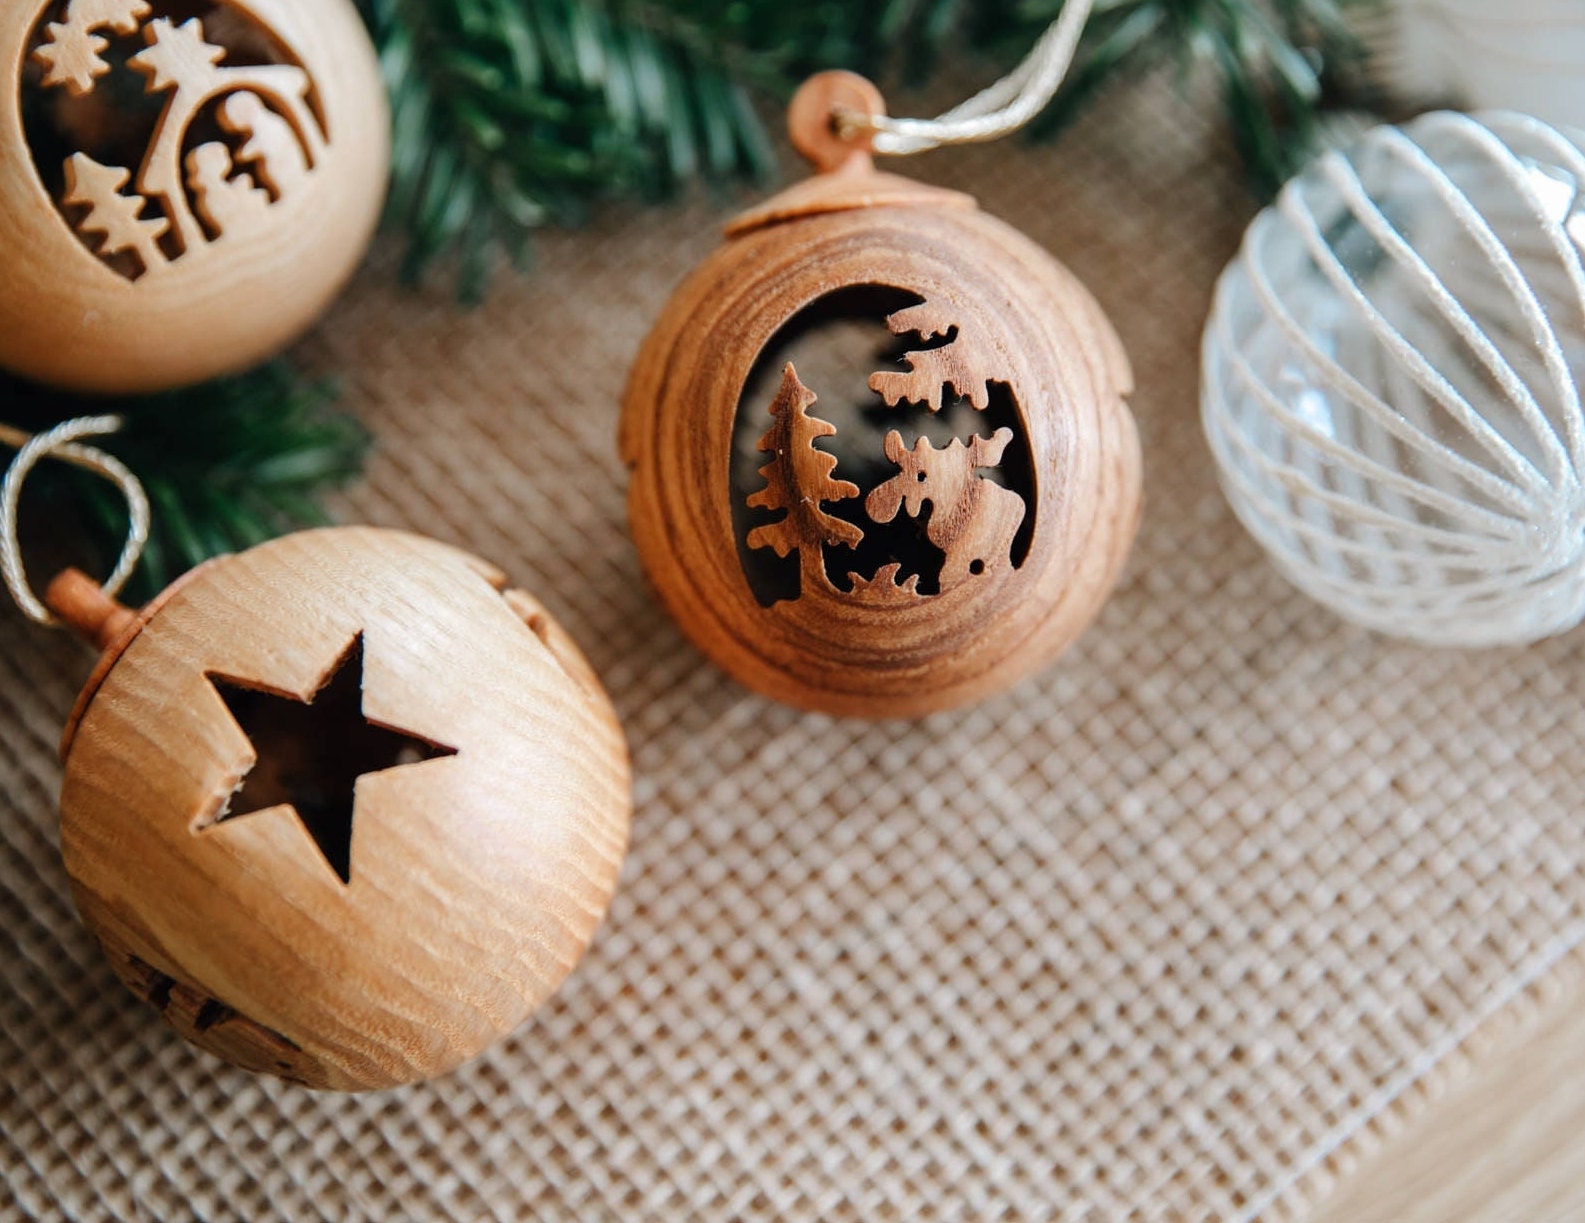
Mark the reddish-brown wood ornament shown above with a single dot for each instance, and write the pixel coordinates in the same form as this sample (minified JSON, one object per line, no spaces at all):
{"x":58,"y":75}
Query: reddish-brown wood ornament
{"x":963,"y":543}
{"x":184,"y":184}
{"x":342,"y":807}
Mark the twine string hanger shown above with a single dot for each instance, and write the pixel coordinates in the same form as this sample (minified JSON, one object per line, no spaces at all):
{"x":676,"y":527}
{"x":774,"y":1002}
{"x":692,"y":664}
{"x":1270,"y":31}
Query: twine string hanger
{"x":996,"y":111}
{"x":62,"y":443}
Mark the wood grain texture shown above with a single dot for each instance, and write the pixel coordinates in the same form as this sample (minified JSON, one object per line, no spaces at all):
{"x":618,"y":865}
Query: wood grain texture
{"x":993,"y":309}
{"x":1503,"y":1143}
{"x":477,"y":879}
{"x":166,"y":250}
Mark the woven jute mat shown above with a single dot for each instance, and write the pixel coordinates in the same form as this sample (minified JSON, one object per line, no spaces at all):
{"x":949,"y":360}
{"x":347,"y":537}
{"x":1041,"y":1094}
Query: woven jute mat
{"x":1172,"y":931}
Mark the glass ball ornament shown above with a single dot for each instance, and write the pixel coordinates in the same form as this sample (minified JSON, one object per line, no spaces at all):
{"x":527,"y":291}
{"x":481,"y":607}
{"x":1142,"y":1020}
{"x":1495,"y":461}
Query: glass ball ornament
{"x":184,"y":184}
{"x":1391,"y":380}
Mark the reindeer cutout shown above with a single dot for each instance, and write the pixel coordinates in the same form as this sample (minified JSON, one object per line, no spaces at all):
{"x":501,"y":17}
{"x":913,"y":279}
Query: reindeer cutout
{"x":972,"y":520}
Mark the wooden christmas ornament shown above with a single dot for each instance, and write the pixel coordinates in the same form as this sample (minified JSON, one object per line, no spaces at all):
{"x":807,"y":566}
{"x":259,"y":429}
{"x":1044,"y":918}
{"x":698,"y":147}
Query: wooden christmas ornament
{"x":342,"y":807}
{"x":184,"y":184}
{"x":972,"y":514}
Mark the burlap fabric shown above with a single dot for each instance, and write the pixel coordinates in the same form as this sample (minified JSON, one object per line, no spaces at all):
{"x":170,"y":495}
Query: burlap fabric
{"x":1165,"y":933}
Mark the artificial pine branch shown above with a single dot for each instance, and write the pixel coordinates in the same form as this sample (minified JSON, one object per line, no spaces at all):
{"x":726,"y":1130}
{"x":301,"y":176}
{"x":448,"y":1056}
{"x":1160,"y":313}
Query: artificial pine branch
{"x":509,"y":114}
{"x":513,"y":113}
{"x":226,"y":465}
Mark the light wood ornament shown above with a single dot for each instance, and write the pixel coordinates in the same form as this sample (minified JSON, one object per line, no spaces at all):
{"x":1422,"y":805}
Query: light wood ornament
{"x":993,"y":314}
{"x":201,"y":231}
{"x":360,"y":927}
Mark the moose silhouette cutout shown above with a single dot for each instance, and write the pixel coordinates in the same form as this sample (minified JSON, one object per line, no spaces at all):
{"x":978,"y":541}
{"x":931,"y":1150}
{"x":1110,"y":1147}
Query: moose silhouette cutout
{"x":973,"y":520}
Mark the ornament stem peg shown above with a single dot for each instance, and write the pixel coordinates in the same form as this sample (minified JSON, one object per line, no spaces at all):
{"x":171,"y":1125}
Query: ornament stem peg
{"x":82,"y":605}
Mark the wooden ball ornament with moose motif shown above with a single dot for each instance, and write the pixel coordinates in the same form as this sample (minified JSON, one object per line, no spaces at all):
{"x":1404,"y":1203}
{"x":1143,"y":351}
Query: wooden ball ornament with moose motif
{"x":184,"y":184}
{"x":342,"y":807}
{"x":915,"y":527}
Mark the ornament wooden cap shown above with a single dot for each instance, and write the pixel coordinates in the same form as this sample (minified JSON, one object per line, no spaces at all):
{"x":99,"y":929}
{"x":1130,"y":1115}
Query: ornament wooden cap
{"x":906,"y":572}
{"x":344,"y":809}
{"x":181,"y":195}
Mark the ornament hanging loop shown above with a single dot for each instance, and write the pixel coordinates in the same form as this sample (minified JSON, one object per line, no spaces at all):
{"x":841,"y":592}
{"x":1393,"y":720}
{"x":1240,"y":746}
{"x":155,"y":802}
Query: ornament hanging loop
{"x":821,"y":120}
{"x":997,"y":111}
{"x":73,"y":598}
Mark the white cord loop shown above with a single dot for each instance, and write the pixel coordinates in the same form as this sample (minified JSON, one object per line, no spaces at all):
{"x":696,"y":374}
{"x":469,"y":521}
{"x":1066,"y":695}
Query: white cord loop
{"x":61,"y":443}
{"x":1002,"y":108}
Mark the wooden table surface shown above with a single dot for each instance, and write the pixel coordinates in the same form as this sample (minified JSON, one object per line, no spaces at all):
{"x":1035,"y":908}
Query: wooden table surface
{"x":1504,"y":1143}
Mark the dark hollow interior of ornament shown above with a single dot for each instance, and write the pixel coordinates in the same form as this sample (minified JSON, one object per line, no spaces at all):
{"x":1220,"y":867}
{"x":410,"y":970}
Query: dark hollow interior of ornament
{"x":116,"y":122}
{"x":835,"y":344}
{"x":310,"y":755}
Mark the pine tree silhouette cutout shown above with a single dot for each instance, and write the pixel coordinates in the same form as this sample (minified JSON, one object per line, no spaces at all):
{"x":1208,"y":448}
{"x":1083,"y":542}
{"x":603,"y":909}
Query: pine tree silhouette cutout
{"x":961,"y":364}
{"x":798,"y":479}
{"x":116,"y":216}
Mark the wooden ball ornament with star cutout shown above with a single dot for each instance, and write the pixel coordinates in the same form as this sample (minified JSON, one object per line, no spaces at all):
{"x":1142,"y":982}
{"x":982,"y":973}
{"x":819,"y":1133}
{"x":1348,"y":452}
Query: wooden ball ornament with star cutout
{"x":184,"y":184}
{"x":913,"y":529}
{"x":342,"y":807}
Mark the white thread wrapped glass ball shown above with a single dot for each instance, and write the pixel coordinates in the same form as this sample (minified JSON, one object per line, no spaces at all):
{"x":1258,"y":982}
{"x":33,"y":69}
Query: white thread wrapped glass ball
{"x":1392,"y":380}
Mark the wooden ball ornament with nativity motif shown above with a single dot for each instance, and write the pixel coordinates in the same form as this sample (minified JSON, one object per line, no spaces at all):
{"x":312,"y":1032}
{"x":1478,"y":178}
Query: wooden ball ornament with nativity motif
{"x":184,"y":184}
{"x":913,"y":527}
{"x":342,"y":807}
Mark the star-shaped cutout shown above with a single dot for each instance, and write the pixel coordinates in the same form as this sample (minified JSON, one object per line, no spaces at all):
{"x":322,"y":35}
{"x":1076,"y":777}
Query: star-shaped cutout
{"x":71,"y":56}
{"x":177,"y":56}
{"x":311,"y":753}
